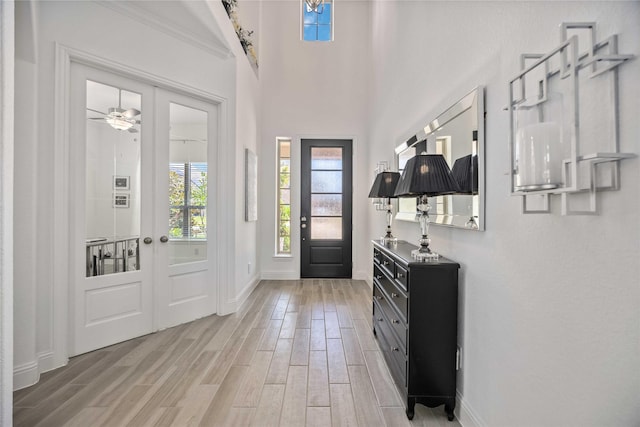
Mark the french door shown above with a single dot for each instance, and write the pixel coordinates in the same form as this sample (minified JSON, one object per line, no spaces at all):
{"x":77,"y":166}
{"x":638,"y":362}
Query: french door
{"x":326,"y":206}
{"x":139,"y":208}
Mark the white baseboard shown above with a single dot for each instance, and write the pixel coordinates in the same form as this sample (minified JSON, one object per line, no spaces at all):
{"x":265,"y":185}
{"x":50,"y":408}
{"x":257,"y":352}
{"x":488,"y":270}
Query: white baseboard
{"x":232,"y":305}
{"x":280,"y":275}
{"x":465,"y":415}
{"x":360,"y":275}
{"x":290,"y":275}
{"x":25,"y":375}
{"x":28,"y":374}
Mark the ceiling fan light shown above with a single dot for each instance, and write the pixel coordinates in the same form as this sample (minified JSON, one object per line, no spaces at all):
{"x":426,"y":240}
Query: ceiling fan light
{"x":118,"y":123}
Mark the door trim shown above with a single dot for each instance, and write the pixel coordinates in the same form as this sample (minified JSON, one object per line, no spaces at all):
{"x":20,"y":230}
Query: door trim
{"x":225,"y":155}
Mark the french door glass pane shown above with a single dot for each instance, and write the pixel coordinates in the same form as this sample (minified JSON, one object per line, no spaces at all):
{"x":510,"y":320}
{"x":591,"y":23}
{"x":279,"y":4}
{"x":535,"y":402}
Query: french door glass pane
{"x":112,"y":183}
{"x":188,"y":178}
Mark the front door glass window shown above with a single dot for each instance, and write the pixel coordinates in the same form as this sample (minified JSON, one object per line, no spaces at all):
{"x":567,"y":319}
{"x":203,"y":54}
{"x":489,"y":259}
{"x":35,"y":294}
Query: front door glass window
{"x":326,"y":193}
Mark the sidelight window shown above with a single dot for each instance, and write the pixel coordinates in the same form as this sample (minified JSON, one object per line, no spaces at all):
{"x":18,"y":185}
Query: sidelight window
{"x":283,"y":220}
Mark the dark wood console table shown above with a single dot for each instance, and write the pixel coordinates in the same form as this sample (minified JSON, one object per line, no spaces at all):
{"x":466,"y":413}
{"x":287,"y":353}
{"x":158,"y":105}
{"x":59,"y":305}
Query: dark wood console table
{"x":415,"y":319}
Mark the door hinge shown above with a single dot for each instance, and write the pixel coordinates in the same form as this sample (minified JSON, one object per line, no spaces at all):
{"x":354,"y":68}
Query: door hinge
{"x":458,"y":358}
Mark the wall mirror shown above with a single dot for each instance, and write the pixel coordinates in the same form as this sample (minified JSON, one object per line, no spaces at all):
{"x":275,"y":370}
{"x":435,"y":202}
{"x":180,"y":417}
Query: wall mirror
{"x":457,"y":134}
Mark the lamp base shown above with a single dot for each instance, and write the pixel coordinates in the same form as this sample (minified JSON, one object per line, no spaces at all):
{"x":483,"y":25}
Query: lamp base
{"x":388,"y":239}
{"x":421,"y":255}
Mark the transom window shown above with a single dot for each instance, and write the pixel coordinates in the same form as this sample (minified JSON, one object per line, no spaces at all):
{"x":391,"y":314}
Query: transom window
{"x":317,"y":25}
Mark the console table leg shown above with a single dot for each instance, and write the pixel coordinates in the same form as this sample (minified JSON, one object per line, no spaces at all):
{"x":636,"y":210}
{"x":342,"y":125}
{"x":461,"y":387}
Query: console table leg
{"x":411,"y":404}
{"x":448,"y":408}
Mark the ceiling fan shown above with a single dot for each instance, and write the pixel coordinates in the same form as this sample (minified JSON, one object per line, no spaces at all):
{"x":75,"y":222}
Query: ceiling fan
{"x":118,"y":117}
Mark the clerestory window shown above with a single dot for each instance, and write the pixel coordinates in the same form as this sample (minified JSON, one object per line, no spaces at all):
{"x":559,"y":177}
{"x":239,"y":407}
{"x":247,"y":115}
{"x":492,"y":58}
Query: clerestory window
{"x":317,"y":21}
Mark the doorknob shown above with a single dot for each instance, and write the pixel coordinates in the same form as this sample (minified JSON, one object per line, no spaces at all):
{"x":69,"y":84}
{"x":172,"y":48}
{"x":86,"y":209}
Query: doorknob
{"x":164,"y":239}
{"x":303,"y":226}
{"x":148,"y":240}
{"x":303,"y":219}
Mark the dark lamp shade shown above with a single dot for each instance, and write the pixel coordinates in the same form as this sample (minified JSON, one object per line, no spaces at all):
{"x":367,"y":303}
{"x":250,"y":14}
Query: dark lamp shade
{"x":384,"y":185}
{"x":465,"y":172}
{"x":426,"y":175}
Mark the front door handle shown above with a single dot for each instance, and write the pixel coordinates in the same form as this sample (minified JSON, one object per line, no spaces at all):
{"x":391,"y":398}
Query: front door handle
{"x":147,"y":240}
{"x":303,"y":226}
{"x":164,"y":239}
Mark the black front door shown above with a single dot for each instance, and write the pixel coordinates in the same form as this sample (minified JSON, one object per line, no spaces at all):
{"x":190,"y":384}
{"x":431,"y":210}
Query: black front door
{"x":326,"y":205}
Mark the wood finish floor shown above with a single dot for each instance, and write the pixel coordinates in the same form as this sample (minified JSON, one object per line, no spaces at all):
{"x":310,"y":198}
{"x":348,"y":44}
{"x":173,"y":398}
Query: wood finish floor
{"x":298,"y":353}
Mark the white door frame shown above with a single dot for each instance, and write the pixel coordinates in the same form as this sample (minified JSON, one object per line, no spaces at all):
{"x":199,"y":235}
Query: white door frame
{"x":225,"y":160}
{"x":7,"y":63}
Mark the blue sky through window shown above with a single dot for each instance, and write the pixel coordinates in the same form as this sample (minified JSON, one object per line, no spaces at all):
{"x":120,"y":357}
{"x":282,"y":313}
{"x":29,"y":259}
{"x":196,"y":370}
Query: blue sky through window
{"x":317,"y":25}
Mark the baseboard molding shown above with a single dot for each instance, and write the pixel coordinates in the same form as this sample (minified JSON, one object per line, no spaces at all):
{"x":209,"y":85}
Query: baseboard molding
{"x":232,"y":305}
{"x":290,"y":275}
{"x":28,"y":374}
{"x":25,"y":375}
{"x":360,"y":275}
{"x":465,"y":415}
{"x":280,"y":275}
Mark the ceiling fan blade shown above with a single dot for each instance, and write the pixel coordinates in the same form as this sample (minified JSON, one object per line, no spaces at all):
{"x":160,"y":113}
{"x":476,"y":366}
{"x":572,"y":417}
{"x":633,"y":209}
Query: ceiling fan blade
{"x":131,"y":113}
{"x":96,"y":111}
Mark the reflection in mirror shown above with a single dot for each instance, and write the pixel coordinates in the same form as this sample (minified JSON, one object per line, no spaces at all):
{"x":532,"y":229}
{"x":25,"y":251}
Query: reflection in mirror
{"x":112,"y":186}
{"x":457,"y":134}
{"x":187,"y":184}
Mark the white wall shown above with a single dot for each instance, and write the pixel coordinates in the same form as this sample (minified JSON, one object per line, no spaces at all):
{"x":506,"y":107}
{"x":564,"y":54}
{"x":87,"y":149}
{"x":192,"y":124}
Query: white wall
{"x":549,"y":320}
{"x":192,"y":57}
{"x":244,"y":236}
{"x":312,"y":90}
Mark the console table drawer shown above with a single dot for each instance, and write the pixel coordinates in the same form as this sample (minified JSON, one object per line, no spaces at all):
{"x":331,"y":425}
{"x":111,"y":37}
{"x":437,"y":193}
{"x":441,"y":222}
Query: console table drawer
{"x":392,"y":351}
{"x":377,"y":256}
{"x":396,"y":297}
{"x":388,"y":265}
{"x":402,"y":276}
{"x":397,"y":324}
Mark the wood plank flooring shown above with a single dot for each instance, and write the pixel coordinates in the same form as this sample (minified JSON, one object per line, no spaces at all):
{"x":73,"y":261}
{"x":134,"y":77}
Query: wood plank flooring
{"x":298,"y":353}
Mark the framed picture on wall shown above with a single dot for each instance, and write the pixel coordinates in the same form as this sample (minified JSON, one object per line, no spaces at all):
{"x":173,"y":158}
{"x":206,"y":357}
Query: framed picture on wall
{"x":120,"y":182}
{"x":120,"y":200}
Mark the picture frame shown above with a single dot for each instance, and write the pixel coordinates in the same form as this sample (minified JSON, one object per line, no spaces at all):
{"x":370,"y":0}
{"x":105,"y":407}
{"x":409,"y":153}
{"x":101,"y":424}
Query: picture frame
{"x":121,"y":182}
{"x":121,"y":200}
{"x":250,"y":185}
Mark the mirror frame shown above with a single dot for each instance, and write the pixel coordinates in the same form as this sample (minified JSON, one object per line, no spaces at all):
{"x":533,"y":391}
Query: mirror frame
{"x":432,"y":126}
